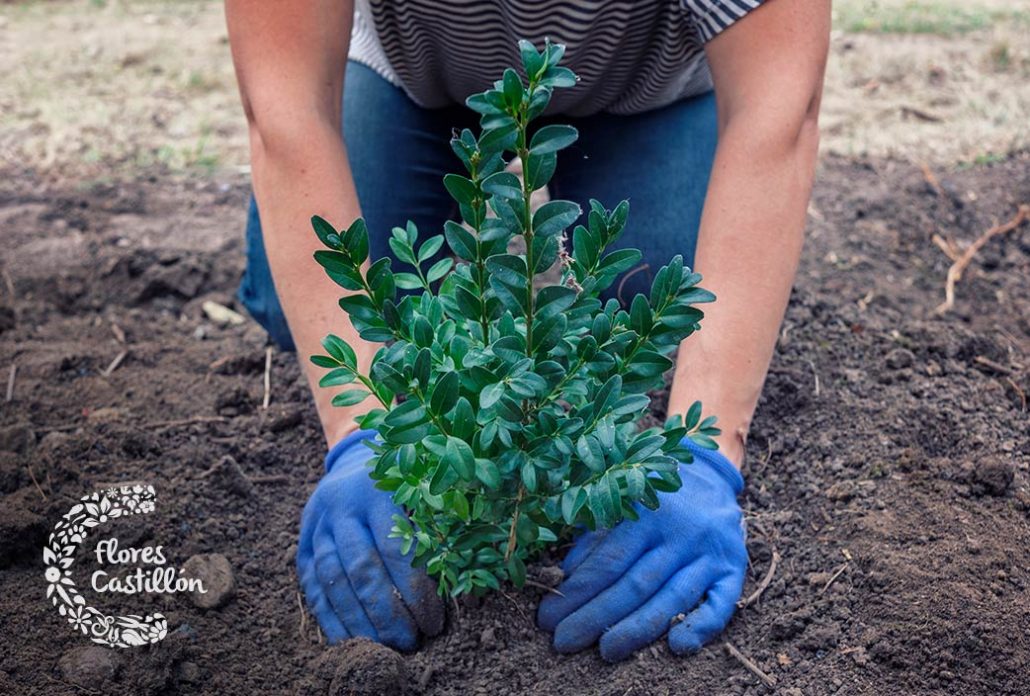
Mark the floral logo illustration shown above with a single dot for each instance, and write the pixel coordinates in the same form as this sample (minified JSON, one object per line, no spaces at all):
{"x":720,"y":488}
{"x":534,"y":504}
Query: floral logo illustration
{"x":59,"y":554}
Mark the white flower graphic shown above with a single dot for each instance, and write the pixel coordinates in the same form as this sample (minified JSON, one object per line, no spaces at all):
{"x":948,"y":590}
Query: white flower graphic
{"x":59,"y":554}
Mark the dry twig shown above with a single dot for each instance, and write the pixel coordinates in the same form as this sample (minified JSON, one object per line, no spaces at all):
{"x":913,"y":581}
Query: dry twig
{"x":35,"y":482}
{"x":268,"y":379}
{"x":1019,"y":392}
{"x":119,"y":335}
{"x":996,"y":366}
{"x":302,"y":629}
{"x":947,"y":246}
{"x":764,"y":584}
{"x":920,"y":115}
{"x":960,"y":264}
{"x":833,"y":578}
{"x":10,"y":384}
{"x":106,"y":372}
{"x":743,"y":659}
{"x":931,"y":178}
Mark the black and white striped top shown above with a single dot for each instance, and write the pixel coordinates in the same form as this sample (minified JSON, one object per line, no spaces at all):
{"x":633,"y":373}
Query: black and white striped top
{"x":631,"y":55}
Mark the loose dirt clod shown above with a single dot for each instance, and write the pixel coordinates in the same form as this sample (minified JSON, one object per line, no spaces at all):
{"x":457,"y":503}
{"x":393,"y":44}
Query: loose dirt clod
{"x":228,"y":476}
{"x":364,"y":668}
{"x":17,"y":438}
{"x":89,"y":667}
{"x":214,"y":570}
{"x":992,"y":476}
{"x":22,"y":531}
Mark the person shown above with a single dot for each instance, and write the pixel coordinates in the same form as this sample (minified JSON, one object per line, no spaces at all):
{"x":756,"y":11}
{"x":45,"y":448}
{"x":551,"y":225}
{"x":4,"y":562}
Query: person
{"x":703,"y":113}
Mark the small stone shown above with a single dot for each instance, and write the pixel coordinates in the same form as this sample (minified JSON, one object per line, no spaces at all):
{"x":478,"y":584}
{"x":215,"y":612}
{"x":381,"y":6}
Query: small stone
{"x":215,"y":573}
{"x":841,"y":491}
{"x":819,"y":579}
{"x":18,"y":438}
{"x":189,"y":672}
{"x":488,"y":638}
{"x":365,"y":668}
{"x":549,"y":576}
{"x":228,"y":476}
{"x":992,"y":476}
{"x":284,"y":420}
{"x":89,"y":666}
{"x":900,"y":358}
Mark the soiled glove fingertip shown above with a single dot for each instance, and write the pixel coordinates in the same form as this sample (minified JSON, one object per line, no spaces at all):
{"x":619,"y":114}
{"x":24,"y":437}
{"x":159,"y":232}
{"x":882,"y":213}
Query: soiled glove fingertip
{"x":549,"y":614}
{"x":685,"y":642}
{"x":614,"y":650}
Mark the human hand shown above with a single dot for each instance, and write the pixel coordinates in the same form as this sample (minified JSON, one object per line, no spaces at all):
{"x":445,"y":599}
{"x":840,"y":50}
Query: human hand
{"x":356,"y":580}
{"x":626,"y":586}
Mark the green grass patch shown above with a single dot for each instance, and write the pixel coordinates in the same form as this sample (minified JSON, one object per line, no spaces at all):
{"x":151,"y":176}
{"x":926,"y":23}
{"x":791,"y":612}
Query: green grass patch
{"x":914,"y":17}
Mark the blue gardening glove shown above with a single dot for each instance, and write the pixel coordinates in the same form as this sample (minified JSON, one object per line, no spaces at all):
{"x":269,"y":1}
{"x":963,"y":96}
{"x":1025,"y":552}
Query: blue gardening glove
{"x":678,"y":569}
{"x":355,"y":579}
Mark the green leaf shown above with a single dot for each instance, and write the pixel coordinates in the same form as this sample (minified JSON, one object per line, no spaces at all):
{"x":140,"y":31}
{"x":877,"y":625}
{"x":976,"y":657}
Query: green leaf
{"x":350,"y":397}
{"x":516,"y":571}
{"x":355,"y":241}
{"x":640,"y":317}
{"x":553,"y":217}
{"x":406,"y":415}
{"x":488,"y":473}
{"x":631,"y":404}
{"x":463,"y":190}
{"x":693,"y":416}
{"x":462,"y":419}
{"x":445,"y":394}
{"x":499,"y":139}
{"x":513,"y":88}
{"x":430,"y":247}
{"x":338,"y":349}
{"x":337,"y":378}
{"x":459,"y":455}
{"x":326,"y":233}
{"x":559,"y":77}
{"x":460,"y":240}
{"x":439,"y":269}
{"x":552,"y":138}
{"x":491,"y":394}
{"x":529,"y":476}
{"x":532,"y":61}
{"x":572,"y":501}
{"x":444,"y":476}
{"x":423,"y":332}
{"x":635,"y":483}
{"x":590,"y":451}
{"x":503,"y":184}
{"x":407,"y":281}
{"x":508,"y":268}
{"x":600,"y":503}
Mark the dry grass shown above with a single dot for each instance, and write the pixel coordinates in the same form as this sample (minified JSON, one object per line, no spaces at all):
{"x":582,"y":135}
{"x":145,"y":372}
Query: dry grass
{"x":107,"y":88}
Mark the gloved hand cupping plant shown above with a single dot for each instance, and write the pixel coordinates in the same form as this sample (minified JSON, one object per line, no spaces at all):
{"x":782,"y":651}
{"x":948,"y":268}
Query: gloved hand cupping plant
{"x":626,"y":587}
{"x":355,"y":579}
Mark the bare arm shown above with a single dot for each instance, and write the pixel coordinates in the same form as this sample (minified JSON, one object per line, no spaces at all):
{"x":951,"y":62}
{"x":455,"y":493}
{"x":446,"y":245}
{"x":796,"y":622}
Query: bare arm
{"x":290,"y":58}
{"x":768,"y":72}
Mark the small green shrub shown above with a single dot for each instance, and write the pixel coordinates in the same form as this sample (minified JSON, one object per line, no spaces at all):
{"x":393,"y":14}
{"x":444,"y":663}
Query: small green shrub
{"x":508,"y":408}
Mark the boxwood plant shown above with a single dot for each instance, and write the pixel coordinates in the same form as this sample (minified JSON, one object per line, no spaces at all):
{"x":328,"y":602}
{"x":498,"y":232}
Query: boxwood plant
{"x":507,"y":407}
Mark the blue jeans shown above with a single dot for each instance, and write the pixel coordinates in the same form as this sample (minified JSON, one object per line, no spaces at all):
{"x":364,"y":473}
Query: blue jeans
{"x":399,"y":152}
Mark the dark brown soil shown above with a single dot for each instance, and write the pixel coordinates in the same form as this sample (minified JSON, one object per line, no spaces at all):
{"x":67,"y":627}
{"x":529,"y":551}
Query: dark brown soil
{"x":888,"y":466}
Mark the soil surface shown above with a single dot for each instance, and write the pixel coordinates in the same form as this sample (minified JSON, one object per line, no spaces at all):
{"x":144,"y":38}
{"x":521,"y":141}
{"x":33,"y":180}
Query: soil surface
{"x":888,"y":464}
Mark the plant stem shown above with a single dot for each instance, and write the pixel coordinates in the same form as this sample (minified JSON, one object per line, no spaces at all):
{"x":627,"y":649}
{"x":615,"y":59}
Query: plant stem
{"x":514,"y":523}
{"x":527,"y":192}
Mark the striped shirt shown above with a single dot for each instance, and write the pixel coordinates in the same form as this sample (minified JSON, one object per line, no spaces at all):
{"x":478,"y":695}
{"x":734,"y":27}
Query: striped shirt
{"x":631,"y":55}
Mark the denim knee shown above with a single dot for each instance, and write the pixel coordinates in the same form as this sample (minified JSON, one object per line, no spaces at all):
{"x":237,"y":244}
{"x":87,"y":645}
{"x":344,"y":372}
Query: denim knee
{"x":257,"y":290}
